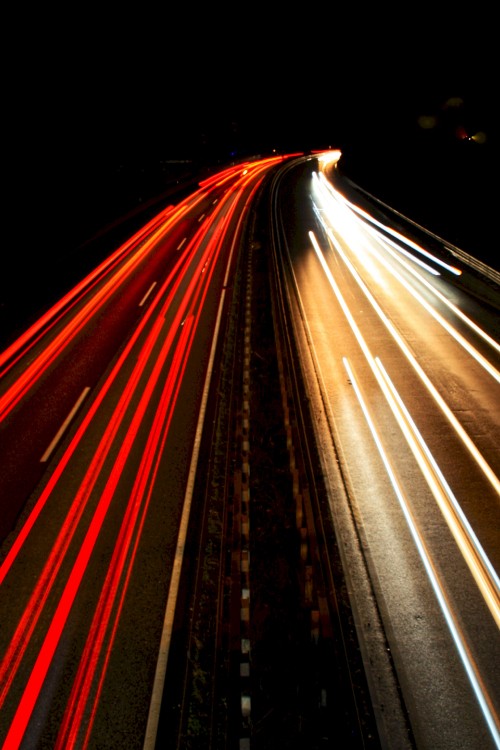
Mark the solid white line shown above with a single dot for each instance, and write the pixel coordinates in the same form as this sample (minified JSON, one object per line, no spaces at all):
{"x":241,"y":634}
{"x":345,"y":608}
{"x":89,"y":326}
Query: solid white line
{"x":161,"y":665}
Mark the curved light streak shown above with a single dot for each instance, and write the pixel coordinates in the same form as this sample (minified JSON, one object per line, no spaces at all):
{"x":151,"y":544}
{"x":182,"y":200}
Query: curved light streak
{"x":389,"y":230}
{"x":399,"y":251}
{"x":477,"y":561}
{"x":456,"y":310}
{"x":470,"y":445}
{"x":487,"y":582}
{"x":471,"y":670}
{"x":475,"y":354}
{"x":385,"y":241}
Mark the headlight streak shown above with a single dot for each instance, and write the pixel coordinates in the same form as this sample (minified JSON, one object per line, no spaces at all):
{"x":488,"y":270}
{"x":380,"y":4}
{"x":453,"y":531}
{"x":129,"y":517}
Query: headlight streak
{"x":489,"y":590}
{"x":495,"y":374}
{"x":475,"y":453}
{"x":477,"y":561}
{"x":432,"y":311}
{"x":471,"y":670}
{"x":405,"y":240}
{"x":342,"y":219}
{"x":456,"y":310}
{"x":385,"y":241}
{"x":388,"y":241}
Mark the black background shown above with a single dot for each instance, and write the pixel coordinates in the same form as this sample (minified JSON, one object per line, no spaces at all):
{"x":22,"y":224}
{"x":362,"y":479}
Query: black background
{"x":105,"y":107}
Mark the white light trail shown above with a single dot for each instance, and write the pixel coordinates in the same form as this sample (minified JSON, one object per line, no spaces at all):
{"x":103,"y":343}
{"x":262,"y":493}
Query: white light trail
{"x":439,"y":318}
{"x":385,"y":242}
{"x":477,"y":561}
{"x":472,"y":448}
{"x":338,"y":196}
{"x":471,"y":670}
{"x":456,"y":310}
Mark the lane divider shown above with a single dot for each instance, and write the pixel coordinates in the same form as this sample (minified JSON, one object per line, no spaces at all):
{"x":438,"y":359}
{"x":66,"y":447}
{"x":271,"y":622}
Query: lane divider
{"x":244,"y":561}
{"x":65,"y":425}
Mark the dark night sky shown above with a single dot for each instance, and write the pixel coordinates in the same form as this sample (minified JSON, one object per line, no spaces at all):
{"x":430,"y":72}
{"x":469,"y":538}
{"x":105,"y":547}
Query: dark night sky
{"x":140,"y":82}
{"x":87,"y":91}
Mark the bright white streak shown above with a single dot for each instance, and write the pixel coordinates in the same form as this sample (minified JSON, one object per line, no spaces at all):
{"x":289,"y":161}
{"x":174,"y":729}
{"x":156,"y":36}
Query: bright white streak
{"x":456,"y":310}
{"x":439,"y":318}
{"x":400,"y":237}
{"x":478,"y":563}
{"x":495,"y":374}
{"x":437,"y":487}
{"x":400,"y":250}
{"x":470,"y":667}
{"x":475,"y":453}
{"x":385,"y":240}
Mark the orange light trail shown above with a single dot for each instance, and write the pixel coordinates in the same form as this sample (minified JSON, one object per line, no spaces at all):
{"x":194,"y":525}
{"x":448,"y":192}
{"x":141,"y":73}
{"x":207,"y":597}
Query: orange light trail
{"x":77,"y":323}
{"x":75,"y":712}
{"x":41,"y":592}
{"x":183,"y":327}
{"x":123,"y":556}
{"x":10,"y":356}
{"x":49,"y":574}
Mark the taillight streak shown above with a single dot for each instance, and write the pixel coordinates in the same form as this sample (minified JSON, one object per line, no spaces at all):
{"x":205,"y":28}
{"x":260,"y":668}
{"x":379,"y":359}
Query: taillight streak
{"x":39,"y":597}
{"x":117,"y":580}
{"x":14,"y":394}
{"x":19,"y":348}
{"x":76,"y":711}
{"x":183,"y":259}
{"x":125,"y":550}
{"x":41,"y":592}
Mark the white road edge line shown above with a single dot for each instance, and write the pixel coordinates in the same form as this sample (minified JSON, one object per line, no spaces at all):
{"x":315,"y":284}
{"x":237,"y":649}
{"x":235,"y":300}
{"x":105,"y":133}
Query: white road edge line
{"x":161,"y":665}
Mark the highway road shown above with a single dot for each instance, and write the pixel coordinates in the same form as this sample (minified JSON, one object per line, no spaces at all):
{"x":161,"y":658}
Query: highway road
{"x":399,"y":339}
{"x":102,"y":403}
